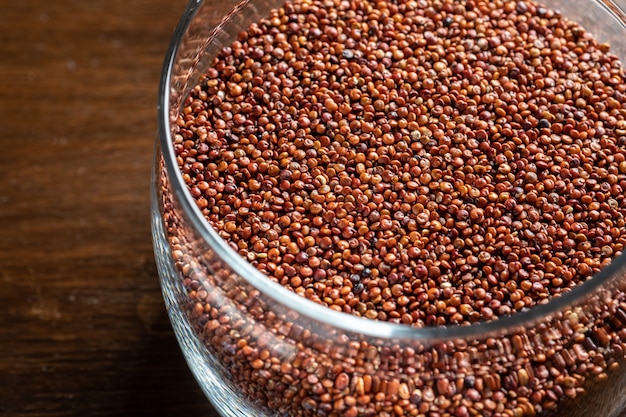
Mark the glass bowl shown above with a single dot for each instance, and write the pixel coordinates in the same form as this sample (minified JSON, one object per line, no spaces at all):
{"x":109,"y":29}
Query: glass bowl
{"x":258,"y":349}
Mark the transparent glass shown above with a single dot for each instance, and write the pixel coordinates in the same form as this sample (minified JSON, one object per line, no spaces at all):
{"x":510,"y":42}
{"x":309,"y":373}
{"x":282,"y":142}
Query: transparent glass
{"x":258,"y":349}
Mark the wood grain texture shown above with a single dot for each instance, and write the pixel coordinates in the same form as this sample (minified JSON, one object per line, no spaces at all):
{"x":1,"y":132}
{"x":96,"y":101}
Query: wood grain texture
{"x":83,"y":328}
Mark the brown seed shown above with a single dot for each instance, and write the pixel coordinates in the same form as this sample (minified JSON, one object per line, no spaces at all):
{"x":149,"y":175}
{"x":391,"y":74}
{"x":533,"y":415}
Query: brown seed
{"x":342,"y":381}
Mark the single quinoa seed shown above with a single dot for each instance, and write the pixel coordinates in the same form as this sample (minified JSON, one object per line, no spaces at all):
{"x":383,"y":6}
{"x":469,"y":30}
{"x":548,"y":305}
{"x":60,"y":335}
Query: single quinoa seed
{"x":426,"y":163}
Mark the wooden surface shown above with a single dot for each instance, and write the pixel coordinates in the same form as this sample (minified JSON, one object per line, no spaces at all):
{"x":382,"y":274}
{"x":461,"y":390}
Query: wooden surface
{"x":83,"y":328}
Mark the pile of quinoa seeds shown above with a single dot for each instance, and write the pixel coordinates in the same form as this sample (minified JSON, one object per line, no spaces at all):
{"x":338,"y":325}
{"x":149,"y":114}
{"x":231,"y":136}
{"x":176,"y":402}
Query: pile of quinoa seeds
{"x":425,"y":162}
{"x":420,"y":162}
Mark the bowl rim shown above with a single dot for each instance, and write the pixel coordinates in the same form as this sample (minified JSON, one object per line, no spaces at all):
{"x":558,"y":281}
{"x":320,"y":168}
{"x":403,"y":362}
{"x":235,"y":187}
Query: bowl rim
{"x":519,"y":320}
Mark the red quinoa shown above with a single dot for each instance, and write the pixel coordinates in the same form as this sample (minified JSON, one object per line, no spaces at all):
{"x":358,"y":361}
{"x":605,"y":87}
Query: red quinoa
{"x":420,"y":162}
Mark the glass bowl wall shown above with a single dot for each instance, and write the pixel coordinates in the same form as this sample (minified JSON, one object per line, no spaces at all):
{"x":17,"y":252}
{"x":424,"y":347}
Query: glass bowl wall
{"x":257,"y":349}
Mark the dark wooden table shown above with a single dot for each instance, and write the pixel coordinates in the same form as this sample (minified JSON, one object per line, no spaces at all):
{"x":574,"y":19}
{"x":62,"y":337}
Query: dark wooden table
{"x":83,"y":328}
